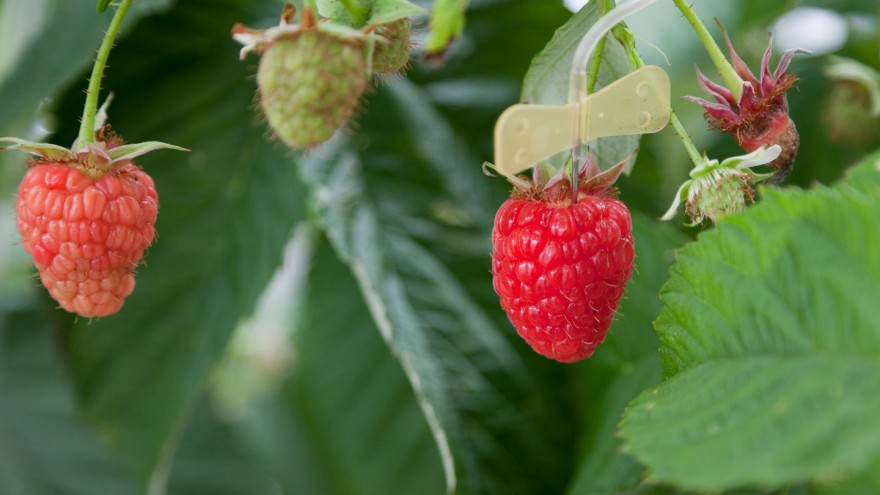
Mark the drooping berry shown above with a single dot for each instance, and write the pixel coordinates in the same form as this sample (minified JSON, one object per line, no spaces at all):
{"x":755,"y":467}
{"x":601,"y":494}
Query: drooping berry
{"x":759,"y":117}
{"x":86,"y":235}
{"x":391,"y":56}
{"x":86,"y":215}
{"x":309,"y":79}
{"x":560,"y":268}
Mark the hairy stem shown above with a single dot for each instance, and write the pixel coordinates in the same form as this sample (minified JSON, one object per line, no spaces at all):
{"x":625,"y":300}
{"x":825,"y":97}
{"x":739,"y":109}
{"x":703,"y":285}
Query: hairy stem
{"x":87,"y":127}
{"x":686,"y":140}
{"x":731,"y":78}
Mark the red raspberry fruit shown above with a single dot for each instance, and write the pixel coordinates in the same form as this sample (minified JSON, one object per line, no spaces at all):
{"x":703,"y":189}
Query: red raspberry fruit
{"x":86,"y":235}
{"x":561,"y":268}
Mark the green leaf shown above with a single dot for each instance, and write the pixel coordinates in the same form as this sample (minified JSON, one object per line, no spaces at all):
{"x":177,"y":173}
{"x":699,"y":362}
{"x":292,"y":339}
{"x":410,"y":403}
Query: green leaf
{"x":391,"y":10}
{"x":44,"y":447}
{"x":226,"y":213}
{"x":865,"y":176}
{"x":547,"y":80}
{"x":769,"y":331}
{"x":866,"y":482}
{"x":216,"y":456}
{"x":781,"y":278}
{"x":481,"y":402}
{"x":339,"y":417}
{"x":604,"y":467}
{"x":359,"y":416}
{"x":766,"y":421}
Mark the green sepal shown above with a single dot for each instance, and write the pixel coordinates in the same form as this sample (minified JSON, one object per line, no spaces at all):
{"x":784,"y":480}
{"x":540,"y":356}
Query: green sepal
{"x":128,"y":152}
{"x":379,"y":11}
{"x":385,"y":11}
{"x":94,"y":157}
{"x":334,"y":10}
{"x":43,"y":150}
{"x":102,"y":5}
{"x":345,"y":32}
{"x":447,"y":22}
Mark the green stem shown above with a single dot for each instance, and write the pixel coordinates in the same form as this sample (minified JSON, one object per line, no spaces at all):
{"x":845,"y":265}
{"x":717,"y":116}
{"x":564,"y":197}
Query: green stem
{"x":87,"y":127}
{"x":731,"y":78}
{"x":628,"y":41}
{"x":593,"y":68}
{"x":357,"y":11}
{"x":596,"y":60}
{"x":686,"y":140}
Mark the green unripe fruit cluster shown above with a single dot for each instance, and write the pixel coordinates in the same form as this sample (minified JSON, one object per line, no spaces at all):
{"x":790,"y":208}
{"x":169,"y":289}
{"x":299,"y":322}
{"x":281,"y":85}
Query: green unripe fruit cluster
{"x":310,"y":83}
{"x":728,"y":194}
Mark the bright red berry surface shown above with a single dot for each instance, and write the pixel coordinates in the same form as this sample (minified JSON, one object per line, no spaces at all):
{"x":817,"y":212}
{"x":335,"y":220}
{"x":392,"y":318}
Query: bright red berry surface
{"x":561,"y":270}
{"x":86,"y":235}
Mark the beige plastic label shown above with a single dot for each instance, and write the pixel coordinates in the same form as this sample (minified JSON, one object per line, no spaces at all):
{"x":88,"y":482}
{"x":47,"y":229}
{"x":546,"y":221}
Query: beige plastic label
{"x":637,"y":103}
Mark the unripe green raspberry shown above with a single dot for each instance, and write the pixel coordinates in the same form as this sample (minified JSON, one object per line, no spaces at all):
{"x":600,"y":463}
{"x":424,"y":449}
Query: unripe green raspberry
{"x":309,"y":83}
{"x":392,"y":57}
{"x":728,"y":193}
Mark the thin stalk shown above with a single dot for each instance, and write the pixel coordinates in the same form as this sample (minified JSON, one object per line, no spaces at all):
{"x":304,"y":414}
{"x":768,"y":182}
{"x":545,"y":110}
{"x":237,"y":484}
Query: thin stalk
{"x":87,"y":127}
{"x":731,"y":78}
{"x":592,"y":77}
{"x":686,"y":140}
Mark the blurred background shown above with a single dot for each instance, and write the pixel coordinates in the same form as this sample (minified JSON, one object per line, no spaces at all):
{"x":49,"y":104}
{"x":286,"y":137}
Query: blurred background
{"x":253,"y":356}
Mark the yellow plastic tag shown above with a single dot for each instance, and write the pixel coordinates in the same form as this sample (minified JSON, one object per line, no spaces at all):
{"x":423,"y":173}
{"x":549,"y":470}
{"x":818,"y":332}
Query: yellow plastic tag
{"x":637,"y":103}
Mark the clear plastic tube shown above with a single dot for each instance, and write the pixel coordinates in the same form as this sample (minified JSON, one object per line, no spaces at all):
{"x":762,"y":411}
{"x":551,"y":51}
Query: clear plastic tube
{"x":577,"y":91}
{"x":590,"y":40}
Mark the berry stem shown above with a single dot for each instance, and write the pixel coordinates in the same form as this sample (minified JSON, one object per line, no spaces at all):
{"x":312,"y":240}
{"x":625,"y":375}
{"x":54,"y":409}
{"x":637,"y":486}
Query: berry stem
{"x":358,"y":11}
{"x":628,"y":41}
{"x":87,"y":127}
{"x":592,"y":77}
{"x":686,"y":140}
{"x":731,"y":78}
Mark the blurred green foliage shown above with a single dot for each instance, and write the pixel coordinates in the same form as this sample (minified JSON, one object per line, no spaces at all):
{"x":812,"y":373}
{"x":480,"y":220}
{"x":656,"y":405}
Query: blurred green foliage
{"x":390,"y":367}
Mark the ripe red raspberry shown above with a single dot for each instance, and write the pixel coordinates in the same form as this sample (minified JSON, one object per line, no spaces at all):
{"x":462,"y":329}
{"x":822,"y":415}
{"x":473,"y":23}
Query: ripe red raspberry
{"x":86,"y":235}
{"x":561,"y":268}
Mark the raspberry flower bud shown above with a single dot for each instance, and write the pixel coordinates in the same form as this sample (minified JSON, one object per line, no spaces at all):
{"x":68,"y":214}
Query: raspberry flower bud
{"x":717,"y":189}
{"x":759,"y":117}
